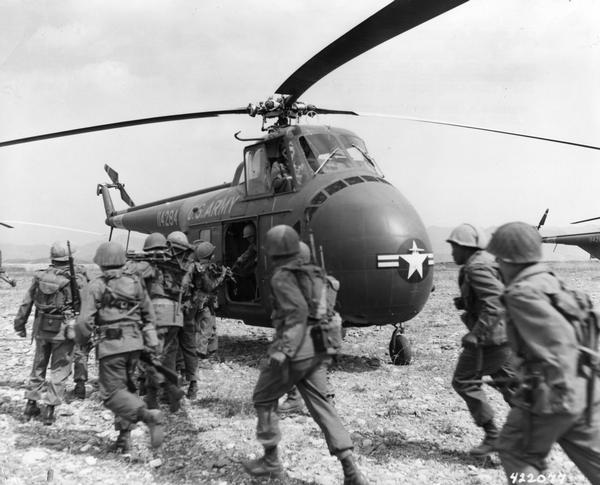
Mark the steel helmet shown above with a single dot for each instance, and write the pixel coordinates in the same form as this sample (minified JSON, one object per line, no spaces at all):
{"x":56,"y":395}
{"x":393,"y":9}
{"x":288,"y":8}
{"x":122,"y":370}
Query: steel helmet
{"x":110,"y":254}
{"x":516,"y":242}
{"x":178,"y":239}
{"x":468,"y":236}
{"x":248,"y":231}
{"x":204,"y":250}
{"x":282,"y":240}
{"x":304,"y":252}
{"x":155,"y":241}
{"x":58,"y":252}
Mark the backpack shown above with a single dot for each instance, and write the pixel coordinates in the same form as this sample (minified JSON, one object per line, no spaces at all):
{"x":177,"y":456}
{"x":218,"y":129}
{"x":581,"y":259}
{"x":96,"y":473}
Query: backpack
{"x":577,"y":308}
{"x":320,"y":292}
{"x":52,"y":294}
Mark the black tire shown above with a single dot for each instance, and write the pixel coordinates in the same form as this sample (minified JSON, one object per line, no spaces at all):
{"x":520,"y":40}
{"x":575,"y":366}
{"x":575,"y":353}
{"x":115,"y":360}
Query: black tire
{"x":400,"y":350}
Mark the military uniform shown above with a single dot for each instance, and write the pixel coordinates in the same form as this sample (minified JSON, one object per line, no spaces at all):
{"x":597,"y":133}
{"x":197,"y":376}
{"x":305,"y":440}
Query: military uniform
{"x":117,"y":310}
{"x":481,"y":288}
{"x":164,"y":289}
{"x":50,"y":292}
{"x":551,"y":410}
{"x":294,"y":362}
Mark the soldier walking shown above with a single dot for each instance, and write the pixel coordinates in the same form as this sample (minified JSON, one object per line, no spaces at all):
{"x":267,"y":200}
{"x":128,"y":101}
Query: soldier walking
{"x":555,"y":402}
{"x":485,"y":349}
{"x":205,"y":278}
{"x":293,"y":360}
{"x":117,"y":310}
{"x":50,"y":292}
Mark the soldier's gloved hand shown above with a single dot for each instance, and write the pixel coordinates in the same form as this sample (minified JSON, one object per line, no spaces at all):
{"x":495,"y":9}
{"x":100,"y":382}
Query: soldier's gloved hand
{"x":459,"y":303}
{"x":469,"y":340}
{"x":22,"y":333}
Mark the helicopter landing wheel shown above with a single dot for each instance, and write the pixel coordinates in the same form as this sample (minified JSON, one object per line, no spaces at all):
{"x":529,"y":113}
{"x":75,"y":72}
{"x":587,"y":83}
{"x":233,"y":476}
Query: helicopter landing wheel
{"x":400,"y":349}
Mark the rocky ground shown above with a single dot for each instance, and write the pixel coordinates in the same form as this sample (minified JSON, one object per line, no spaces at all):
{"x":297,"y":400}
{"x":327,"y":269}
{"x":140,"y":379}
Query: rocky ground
{"x":408,"y":425}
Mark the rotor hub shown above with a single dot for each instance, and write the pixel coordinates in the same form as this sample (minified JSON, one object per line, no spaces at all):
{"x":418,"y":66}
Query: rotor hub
{"x":276,"y":106}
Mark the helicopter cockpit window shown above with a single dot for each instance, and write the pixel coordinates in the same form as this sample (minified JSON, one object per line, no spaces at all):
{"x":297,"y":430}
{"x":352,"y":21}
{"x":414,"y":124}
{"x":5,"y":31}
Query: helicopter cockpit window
{"x":257,"y":169}
{"x":326,"y":153}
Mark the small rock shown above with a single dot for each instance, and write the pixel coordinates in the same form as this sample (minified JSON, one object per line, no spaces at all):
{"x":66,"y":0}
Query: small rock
{"x":366,"y":443}
{"x":90,"y":460}
{"x":229,"y":446}
{"x":155,"y":463}
{"x":85,"y":448}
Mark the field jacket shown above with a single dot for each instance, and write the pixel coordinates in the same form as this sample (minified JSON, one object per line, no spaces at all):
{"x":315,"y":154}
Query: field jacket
{"x":480,"y":290}
{"x":545,"y":345}
{"x":289,"y":316}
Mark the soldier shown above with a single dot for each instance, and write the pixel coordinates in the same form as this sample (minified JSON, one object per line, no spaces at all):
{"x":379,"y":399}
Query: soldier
{"x":182,"y":253}
{"x":485,"y":347}
{"x":117,"y":310}
{"x":293,"y":401}
{"x":205,"y":277}
{"x":164,"y":292}
{"x":294,"y":361}
{"x":550,"y":403}
{"x":244,"y":267}
{"x":50,"y":292}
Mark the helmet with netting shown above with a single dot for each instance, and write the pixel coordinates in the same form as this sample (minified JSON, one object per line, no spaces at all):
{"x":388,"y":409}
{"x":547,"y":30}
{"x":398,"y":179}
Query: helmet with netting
{"x":58,"y":252}
{"x":110,"y":254}
{"x":516,"y":242}
{"x":178,"y":239}
{"x":155,"y":241}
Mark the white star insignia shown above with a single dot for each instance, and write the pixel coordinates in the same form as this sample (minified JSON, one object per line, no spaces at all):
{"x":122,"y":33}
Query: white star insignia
{"x":415,"y":260}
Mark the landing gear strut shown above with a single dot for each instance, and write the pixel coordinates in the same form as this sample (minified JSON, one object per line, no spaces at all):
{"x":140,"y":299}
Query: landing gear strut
{"x":400,"y":351}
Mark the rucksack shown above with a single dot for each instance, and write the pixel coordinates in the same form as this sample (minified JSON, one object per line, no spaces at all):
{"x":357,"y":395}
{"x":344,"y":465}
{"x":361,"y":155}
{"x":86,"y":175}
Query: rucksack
{"x":320,"y":292}
{"x":577,"y":308}
{"x":52,"y":295}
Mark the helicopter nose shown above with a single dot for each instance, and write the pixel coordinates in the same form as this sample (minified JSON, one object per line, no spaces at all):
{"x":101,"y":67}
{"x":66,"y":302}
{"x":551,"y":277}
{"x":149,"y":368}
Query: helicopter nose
{"x":375,"y":243}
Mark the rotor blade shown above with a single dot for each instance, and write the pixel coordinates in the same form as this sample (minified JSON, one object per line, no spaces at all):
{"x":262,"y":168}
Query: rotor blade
{"x":471,"y":127}
{"x":6,"y":225}
{"x":51,"y":226}
{"x":586,"y":220}
{"x":125,"y":124}
{"x":112,"y":174}
{"x":543,"y":220}
{"x":397,"y":17}
{"x":125,"y":196}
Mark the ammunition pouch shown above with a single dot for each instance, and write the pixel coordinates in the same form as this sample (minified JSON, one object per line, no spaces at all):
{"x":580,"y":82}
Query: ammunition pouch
{"x":326,"y":334}
{"x":113,"y":333}
{"x":51,"y":323}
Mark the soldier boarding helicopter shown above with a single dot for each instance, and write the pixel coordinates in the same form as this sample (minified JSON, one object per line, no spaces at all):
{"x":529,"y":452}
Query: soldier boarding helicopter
{"x":361,"y":228}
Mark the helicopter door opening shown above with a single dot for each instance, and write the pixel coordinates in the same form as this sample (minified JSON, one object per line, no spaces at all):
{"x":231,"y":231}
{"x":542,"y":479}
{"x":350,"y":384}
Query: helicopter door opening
{"x":241,"y":254}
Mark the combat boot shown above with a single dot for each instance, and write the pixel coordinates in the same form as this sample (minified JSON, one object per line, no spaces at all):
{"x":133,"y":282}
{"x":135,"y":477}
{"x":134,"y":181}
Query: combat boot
{"x":352,"y":475}
{"x":192,"y":391}
{"x":31,"y":409}
{"x":292,"y":404}
{"x":488,"y":445}
{"x":267,"y":465}
{"x":123,"y":443}
{"x":154,"y":419}
{"x":79,"y":391}
{"x":48,"y":415}
{"x":151,"y":398}
{"x":175,"y":394}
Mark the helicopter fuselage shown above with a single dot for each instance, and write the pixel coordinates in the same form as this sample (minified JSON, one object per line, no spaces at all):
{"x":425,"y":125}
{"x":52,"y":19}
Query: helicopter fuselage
{"x":361,"y":228}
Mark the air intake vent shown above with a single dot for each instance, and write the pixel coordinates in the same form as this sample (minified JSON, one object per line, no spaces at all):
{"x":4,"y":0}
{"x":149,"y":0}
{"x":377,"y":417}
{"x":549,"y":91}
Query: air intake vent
{"x":335,"y":186}
{"x":318,"y":199}
{"x":354,"y":180}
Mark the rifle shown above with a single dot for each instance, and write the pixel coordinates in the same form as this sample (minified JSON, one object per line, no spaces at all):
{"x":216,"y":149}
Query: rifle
{"x":76,"y":297}
{"x":153,"y":257}
{"x":150,"y":359}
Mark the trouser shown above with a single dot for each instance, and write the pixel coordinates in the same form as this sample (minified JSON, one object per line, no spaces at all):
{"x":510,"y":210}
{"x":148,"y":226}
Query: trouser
{"x":309,"y":377}
{"x":115,"y":378}
{"x":81,"y":355}
{"x":207,"y":340}
{"x":187,"y":347}
{"x":59,"y":355}
{"x":168,"y":345}
{"x":526,"y":440}
{"x":329,"y":392}
{"x":476,"y":362}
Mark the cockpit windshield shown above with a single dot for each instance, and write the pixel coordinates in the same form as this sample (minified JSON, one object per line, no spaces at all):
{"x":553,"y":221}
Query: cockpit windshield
{"x":326,"y":153}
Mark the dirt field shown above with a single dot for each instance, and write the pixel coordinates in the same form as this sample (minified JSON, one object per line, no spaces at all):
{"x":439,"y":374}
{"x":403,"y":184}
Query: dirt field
{"x":408,"y":425}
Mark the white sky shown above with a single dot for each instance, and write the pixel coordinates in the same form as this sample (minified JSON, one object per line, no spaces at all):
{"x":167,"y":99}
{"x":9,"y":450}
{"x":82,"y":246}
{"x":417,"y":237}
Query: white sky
{"x":518,"y":65}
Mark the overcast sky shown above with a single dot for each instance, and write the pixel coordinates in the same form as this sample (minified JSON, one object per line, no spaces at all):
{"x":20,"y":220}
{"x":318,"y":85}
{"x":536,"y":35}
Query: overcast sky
{"x":519,"y":65}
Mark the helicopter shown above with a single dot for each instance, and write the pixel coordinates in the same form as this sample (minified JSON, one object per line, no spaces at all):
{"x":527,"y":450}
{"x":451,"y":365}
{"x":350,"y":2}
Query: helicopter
{"x":361,"y":228}
{"x":588,"y":241}
{"x":3,"y":276}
